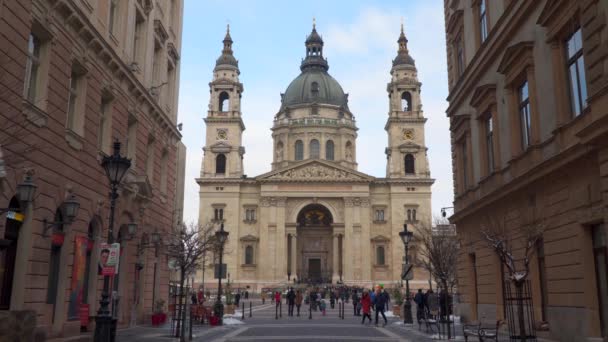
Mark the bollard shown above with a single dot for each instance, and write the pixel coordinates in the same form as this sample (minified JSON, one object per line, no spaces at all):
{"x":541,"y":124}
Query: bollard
{"x":276,"y":312}
{"x":343,"y":310}
{"x":281,"y":309}
{"x":250,"y":309}
{"x":243,"y":317}
{"x":339,"y":310}
{"x":309,"y":310}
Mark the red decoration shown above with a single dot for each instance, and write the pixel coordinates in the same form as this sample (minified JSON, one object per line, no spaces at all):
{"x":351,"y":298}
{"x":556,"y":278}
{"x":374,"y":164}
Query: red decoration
{"x":84,"y":315}
{"x":57,"y":239}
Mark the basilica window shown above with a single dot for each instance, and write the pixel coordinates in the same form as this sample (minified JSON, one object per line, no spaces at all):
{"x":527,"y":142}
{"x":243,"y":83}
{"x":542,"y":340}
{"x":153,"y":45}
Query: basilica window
{"x":220,"y":164}
{"x":406,"y":101}
{"x":329,"y":150}
{"x":249,"y":255}
{"x":224,"y":102}
{"x":314,"y":148}
{"x":409,"y":164}
{"x":299,"y":150}
{"x":380,"y":257}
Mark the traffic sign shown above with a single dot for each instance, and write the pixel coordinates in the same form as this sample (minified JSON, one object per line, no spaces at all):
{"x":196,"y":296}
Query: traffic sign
{"x":407,"y":272}
{"x":219,"y":272}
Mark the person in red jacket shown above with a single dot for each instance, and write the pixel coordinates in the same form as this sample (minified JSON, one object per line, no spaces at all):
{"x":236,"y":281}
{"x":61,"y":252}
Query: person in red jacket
{"x":277,"y":298}
{"x":366,"y":303}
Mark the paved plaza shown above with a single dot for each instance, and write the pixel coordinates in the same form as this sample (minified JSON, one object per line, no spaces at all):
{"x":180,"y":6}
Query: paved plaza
{"x":263,"y":326}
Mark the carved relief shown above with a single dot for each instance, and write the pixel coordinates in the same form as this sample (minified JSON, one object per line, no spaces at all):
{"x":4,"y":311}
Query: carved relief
{"x":319,"y":172}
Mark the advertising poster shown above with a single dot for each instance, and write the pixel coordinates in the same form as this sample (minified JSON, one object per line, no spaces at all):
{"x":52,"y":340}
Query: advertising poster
{"x":109,"y":255}
{"x":78,"y":270}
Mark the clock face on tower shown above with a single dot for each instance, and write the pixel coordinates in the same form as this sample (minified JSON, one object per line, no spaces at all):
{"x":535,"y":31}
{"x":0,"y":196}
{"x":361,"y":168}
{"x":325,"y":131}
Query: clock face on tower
{"x":222,"y":134}
{"x":408,"y":134}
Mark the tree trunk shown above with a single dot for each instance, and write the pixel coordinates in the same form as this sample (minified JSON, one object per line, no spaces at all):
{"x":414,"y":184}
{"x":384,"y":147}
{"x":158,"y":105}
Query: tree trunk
{"x":179,"y":305}
{"x":520,"y":310}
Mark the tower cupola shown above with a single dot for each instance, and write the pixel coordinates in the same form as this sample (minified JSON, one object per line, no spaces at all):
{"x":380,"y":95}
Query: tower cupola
{"x":314,"y":51}
{"x":227,"y":59}
{"x":403,"y":55}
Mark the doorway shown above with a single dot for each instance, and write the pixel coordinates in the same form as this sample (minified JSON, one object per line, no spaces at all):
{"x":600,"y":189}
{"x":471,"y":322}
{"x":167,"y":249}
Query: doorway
{"x":314,"y":269}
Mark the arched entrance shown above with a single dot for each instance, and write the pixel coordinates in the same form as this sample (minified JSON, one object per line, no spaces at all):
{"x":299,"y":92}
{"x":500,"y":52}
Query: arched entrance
{"x":8,"y":255}
{"x":314,"y":249}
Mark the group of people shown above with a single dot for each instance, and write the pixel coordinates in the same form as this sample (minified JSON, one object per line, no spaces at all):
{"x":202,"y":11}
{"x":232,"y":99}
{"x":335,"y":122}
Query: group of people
{"x":430,"y":304}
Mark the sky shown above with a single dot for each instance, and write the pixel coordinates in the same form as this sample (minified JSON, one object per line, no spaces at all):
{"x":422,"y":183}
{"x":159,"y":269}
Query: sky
{"x":360,"y":42}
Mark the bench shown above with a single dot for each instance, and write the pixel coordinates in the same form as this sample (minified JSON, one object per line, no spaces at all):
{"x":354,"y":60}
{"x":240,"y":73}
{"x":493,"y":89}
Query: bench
{"x":483,"y":332}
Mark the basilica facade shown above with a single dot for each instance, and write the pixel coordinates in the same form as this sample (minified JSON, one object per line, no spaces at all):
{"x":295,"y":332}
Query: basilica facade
{"x":313,"y":216}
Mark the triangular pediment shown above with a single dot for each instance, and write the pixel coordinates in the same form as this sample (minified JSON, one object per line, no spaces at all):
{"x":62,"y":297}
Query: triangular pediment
{"x":380,"y":238}
{"x":220,"y":147}
{"x":409,"y":146}
{"x":315,"y":170}
{"x":249,"y":238}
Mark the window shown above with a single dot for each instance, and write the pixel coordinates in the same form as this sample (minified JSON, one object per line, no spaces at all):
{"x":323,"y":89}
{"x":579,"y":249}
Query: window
{"x":164,"y":165}
{"x":138,"y":37}
{"x":299,"y":150}
{"x":576,"y":70}
{"x":113,"y":15}
{"x":490,"y":144}
{"x":406,"y":101}
{"x":249,"y":214}
{"x":524,"y":115}
{"x":170,"y":89}
{"x":483,"y":21}
{"x":459,"y":48}
{"x":224,"y":102}
{"x":156,"y":71}
{"x":76,"y":101}
{"x":414,"y":215}
{"x":409,"y":164}
{"x":409,"y":214}
{"x":105,"y":122}
{"x":380,"y":255}
{"x":314,"y":148}
{"x":600,"y":254}
{"x":249,"y":255}
{"x":465,"y":163}
{"x":150,"y":151}
{"x":220,"y":164}
{"x":379,"y":215}
{"x":54,"y":264}
{"x":32,"y":68}
{"x":329,"y":150}
{"x":132,"y":138}
{"x":218,"y":214}
{"x":314,"y":89}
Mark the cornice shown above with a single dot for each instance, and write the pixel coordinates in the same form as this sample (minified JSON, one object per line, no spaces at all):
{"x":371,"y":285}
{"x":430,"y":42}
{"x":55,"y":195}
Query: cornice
{"x":238,"y":120}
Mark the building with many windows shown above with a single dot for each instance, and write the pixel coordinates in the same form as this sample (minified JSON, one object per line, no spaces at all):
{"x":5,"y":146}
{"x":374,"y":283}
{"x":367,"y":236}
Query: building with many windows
{"x":528,"y":105}
{"x":314,"y":217}
{"x":74,"y":77}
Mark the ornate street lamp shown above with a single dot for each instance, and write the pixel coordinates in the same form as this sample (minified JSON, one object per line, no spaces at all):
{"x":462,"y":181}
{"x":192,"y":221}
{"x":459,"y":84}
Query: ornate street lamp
{"x":406,"y":237}
{"x":221,"y":236}
{"x":25,"y":193}
{"x":69,"y":210}
{"x":116,"y":167}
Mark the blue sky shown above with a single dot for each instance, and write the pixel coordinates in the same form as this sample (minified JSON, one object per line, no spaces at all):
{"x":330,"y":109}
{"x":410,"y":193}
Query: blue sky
{"x":360,"y":42}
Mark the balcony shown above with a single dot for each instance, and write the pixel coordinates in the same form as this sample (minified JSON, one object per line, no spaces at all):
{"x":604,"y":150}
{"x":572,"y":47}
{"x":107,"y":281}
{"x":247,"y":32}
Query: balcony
{"x":315,"y":122}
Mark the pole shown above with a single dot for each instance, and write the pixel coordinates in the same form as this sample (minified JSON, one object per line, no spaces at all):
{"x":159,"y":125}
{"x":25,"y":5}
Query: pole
{"x":250,"y":309}
{"x":243,"y":318}
{"x":309,"y":308}
{"x":281,"y":308}
{"x":276,"y":311}
{"x":219,"y":307}
{"x":105,"y":325}
{"x":407,"y":307}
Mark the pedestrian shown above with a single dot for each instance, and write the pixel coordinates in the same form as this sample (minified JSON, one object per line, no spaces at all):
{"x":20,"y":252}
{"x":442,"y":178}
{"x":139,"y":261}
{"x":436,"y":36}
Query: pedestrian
{"x":366,"y":303}
{"x":237,"y":299}
{"x":332,"y":299}
{"x":277,"y":298}
{"x":388,"y":299}
{"x":355,"y":302}
{"x":322,"y":306}
{"x":246,"y":294}
{"x":419,"y":300}
{"x":193,"y":299}
{"x":263,"y":296}
{"x":291,"y":301}
{"x":299,"y":299}
{"x":380,"y":304}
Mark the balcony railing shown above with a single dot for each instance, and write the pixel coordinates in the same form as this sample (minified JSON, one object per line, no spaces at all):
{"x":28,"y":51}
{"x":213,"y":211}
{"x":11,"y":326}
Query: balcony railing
{"x":314,"y":122}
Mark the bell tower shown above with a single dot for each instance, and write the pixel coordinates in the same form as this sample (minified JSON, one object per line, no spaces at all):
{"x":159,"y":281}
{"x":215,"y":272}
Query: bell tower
{"x":406,"y":152}
{"x":223,"y":151}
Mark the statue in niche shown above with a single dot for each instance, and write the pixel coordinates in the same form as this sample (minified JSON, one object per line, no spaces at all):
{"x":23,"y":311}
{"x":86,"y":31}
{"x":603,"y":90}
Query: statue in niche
{"x":349,"y":152}
{"x":279,"y":152}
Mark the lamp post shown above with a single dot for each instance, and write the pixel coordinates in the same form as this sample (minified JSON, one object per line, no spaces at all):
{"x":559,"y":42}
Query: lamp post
{"x":221,"y":236}
{"x":406,"y":237}
{"x":115,"y":166}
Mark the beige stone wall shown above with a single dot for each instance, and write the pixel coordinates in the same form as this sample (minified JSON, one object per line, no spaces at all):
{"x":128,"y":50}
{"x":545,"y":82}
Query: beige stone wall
{"x":559,"y":176}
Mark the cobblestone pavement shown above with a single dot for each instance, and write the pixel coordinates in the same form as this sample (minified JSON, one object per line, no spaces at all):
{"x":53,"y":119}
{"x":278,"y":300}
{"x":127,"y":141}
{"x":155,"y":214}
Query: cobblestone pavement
{"x":263,"y":326}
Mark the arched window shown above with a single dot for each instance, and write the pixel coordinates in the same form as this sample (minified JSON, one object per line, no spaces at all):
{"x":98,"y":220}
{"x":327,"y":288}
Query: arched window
{"x":409,"y":164}
{"x":406,"y":101}
{"x":314,"y":88}
{"x":54,"y":263}
{"x":220,"y":164}
{"x":224,"y":102}
{"x":249,"y":255}
{"x":8,"y":256}
{"x":299,"y":150}
{"x":380,"y":255}
{"x":329,"y":150}
{"x":314,"y":148}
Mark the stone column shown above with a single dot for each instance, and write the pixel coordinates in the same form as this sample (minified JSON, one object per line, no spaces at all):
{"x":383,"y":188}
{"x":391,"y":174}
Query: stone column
{"x":293,"y":255}
{"x":336,"y":265}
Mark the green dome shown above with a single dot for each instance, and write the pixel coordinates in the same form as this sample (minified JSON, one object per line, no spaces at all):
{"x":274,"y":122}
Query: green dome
{"x":314,"y":86}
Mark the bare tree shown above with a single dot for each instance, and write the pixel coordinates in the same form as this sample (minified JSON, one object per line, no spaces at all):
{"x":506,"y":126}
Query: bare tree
{"x":505,"y":240}
{"x":186,"y":246}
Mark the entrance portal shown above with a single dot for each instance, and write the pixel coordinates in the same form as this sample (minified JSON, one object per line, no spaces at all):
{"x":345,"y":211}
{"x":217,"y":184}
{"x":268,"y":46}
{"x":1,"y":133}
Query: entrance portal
{"x":314,"y":247}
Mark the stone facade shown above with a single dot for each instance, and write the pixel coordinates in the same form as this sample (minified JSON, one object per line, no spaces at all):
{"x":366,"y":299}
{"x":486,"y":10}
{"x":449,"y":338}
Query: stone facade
{"x":314,"y":216}
{"x":75,"y":76}
{"x":528,"y":106}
